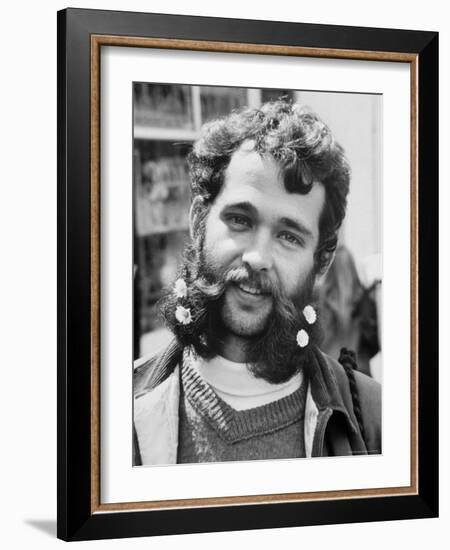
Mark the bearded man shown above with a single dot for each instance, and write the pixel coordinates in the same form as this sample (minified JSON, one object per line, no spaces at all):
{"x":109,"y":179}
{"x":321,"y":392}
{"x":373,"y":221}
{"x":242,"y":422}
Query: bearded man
{"x":244,"y":378}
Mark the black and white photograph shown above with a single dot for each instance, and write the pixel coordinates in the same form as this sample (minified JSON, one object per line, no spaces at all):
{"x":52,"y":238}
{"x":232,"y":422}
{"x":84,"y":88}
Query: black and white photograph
{"x":221,"y":252}
{"x":257,"y":262}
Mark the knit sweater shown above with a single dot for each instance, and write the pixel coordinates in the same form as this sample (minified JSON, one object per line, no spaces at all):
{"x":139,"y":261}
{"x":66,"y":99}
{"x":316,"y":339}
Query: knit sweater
{"x":210,"y":430}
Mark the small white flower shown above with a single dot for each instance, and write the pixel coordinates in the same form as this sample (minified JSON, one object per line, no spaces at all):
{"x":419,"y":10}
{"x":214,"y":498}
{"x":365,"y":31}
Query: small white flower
{"x":183,"y":315}
{"x":310,"y":314}
{"x":180,"y":288}
{"x":302,"y":338}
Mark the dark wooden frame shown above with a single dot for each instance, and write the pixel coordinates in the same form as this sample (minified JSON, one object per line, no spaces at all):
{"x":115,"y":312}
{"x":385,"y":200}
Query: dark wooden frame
{"x":81,"y":33}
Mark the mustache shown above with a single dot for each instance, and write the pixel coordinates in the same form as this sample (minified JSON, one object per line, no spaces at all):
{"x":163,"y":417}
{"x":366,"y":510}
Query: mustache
{"x":215,"y":284}
{"x":245,"y":275}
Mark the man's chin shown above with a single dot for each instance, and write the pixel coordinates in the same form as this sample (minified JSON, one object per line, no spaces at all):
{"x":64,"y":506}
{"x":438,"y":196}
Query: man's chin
{"x":244,"y":326}
{"x":245,"y":323}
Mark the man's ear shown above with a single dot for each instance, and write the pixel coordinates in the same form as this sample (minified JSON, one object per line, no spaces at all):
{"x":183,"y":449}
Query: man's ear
{"x":328,"y":260}
{"x":195,"y":215}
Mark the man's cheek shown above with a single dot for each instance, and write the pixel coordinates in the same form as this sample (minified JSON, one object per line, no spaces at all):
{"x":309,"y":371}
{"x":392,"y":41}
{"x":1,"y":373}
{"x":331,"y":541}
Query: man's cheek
{"x":224,"y":250}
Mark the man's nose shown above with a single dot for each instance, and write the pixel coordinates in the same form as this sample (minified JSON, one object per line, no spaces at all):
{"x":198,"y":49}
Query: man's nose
{"x":258,"y":254}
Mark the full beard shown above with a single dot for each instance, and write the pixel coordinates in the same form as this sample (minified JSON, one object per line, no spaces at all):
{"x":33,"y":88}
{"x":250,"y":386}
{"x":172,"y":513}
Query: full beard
{"x":270,"y":344}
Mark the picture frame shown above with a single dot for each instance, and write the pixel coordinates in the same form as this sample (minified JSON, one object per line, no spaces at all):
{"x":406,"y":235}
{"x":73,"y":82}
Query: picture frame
{"x":81,"y":36}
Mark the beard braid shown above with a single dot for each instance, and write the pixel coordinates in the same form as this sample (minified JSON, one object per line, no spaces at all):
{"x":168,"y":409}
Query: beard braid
{"x":273,"y":354}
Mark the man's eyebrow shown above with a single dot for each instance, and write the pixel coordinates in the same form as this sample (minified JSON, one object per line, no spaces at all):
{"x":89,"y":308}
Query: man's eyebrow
{"x":244,"y":206}
{"x":297,"y":226}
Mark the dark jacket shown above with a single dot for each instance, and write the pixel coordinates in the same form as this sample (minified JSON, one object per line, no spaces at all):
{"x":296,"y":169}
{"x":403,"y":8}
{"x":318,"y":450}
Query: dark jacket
{"x":331,"y":427}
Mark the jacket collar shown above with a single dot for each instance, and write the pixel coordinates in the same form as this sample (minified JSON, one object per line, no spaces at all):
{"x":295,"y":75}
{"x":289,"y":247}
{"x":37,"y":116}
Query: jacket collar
{"x":324,"y":386}
{"x":149,"y":373}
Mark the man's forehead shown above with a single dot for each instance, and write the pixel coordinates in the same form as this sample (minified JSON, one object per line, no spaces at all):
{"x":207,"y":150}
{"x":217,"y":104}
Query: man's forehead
{"x":246,"y":161}
{"x":248,"y":166}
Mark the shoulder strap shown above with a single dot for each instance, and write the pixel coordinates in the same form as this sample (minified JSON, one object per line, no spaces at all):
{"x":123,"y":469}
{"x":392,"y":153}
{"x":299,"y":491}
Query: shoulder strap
{"x":151,"y":371}
{"x":347,"y":359}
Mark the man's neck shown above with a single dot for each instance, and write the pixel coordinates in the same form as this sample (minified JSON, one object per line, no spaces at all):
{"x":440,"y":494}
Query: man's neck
{"x":234,"y":348}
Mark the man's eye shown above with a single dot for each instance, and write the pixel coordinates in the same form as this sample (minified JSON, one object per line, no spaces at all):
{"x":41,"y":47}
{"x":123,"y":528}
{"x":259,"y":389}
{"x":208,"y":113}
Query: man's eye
{"x":290,"y":238}
{"x":236,"y":221}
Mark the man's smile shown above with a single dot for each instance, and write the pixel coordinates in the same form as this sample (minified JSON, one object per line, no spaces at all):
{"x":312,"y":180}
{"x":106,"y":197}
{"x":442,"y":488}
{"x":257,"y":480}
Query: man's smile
{"x":250,"y":295}
{"x":249,"y":289}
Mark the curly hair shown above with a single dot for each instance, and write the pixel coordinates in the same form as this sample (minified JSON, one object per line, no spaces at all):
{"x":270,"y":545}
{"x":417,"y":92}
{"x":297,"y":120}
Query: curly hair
{"x":297,"y":139}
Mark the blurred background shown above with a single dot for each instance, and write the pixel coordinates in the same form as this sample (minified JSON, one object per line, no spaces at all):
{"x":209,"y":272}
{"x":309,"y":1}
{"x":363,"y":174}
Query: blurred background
{"x":167,"y":120}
